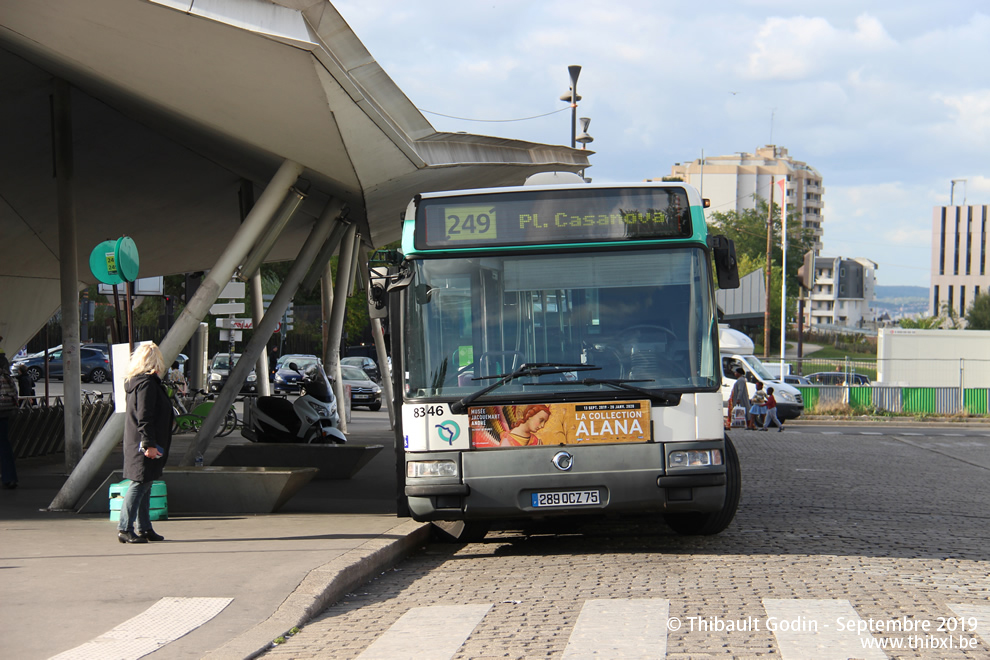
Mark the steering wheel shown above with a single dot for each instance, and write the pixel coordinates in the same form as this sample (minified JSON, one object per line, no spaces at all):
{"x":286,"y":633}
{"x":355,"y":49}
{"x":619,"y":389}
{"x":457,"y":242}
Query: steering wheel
{"x":677,"y":369}
{"x":647,"y":326}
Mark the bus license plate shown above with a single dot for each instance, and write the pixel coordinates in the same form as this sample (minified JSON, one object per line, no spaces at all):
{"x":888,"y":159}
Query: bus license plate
{"x":567,"y":498}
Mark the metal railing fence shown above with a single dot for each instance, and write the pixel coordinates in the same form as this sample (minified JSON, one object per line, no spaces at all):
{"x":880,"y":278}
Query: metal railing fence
{"x":922,"y":371}
{"x":39,"y":430}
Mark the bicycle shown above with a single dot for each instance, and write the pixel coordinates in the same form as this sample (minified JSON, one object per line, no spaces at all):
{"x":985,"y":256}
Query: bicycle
{"x":189,"y":418}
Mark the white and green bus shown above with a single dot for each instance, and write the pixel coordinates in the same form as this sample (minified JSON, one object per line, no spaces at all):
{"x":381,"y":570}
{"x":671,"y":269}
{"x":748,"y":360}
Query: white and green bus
{"x":555,"y":353}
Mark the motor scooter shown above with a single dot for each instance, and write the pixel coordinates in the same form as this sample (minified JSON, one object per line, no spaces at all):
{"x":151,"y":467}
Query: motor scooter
{"x":311,"y":418}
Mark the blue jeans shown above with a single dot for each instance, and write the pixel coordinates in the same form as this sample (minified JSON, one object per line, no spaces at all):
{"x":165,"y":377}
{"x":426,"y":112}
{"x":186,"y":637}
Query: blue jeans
{"x":136,"y":508}
{"x":8,"y":471}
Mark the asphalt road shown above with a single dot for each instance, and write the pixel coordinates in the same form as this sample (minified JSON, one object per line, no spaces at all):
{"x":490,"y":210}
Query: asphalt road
{"x":849,"y":542}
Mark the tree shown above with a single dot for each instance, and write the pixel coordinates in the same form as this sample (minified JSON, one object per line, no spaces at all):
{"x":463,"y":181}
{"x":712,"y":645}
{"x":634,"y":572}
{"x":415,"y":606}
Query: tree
{"x":978,"y":316}
{"x":747,"y":265}
{"x":748,"y":230}
{"x":948,"y":319}
{"x":922,"y":323}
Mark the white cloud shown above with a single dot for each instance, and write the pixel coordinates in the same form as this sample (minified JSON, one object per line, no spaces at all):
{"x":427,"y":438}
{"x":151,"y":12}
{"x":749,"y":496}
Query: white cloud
{"x":798,"y":47}
{"x":970,"y":113}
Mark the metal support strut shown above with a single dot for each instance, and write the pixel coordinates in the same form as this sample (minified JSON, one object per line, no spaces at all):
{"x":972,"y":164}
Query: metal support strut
{"x":186,"y":325}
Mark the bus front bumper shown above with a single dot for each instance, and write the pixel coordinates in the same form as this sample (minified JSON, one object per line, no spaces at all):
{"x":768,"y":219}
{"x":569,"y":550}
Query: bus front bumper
{"x":511,"y":485}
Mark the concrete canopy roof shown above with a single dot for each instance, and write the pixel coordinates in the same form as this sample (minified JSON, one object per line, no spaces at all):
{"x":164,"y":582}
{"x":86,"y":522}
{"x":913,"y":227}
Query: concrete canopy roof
{"x":176,"y":103}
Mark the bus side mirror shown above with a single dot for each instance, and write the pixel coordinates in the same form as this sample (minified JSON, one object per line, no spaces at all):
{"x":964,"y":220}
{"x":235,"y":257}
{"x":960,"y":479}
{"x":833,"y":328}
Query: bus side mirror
{"x":726,"y":267}
{"x":387,"y":271}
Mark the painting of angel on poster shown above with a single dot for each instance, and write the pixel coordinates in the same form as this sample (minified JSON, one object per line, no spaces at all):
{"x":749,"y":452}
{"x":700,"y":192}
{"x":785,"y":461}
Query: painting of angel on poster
{"x":536,"y":424}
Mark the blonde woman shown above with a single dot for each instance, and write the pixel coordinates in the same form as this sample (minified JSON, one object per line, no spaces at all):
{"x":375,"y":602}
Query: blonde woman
{"x":147,"y":436}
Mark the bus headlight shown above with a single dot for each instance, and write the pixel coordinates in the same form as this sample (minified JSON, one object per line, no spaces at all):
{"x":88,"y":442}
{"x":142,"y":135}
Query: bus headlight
{"x":694,"y":458}
{"x":431,"y":469}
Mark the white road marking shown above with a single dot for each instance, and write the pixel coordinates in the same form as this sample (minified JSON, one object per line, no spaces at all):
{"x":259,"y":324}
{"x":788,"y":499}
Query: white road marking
{"x":812,"y":632}
{"x":620,"y":628}
{"x":979,"y":612}
{"x":427,"y":633}
{"x":164,"y":622}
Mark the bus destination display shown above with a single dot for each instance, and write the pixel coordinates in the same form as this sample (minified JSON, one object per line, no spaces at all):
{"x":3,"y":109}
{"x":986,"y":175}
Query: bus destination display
{"x":546,"y":217}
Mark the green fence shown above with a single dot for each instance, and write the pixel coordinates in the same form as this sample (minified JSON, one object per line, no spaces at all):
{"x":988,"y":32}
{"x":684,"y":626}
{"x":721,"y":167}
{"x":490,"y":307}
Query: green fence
{"x":909,"y":400}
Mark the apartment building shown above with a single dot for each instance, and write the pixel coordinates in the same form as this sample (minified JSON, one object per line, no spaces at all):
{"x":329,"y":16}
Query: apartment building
{"x":733,"y":183}
{"x":843,"y":293}
{"x":959,"y":257}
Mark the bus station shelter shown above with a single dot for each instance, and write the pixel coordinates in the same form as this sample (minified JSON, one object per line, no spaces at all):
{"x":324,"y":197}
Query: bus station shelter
{"x":217,"y":134}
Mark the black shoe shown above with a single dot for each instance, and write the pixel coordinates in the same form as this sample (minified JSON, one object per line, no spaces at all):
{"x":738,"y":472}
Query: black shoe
{"x":151,"y":535}
{"x":130,"y":537}
{"x":10,"y":485}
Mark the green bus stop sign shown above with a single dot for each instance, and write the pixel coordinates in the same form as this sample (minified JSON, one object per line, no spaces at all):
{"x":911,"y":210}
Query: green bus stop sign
{"x":103,"y":263}
{"x":115,"y":262}
{"x":126,"y":254}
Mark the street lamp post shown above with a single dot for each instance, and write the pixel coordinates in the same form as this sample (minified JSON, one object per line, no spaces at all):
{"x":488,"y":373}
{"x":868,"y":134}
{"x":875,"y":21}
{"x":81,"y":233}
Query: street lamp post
{"x":572,"y":97}
{"x":584,"y":139}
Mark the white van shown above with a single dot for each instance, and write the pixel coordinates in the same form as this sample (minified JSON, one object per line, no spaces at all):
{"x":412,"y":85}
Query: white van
{"x":736,"y":351}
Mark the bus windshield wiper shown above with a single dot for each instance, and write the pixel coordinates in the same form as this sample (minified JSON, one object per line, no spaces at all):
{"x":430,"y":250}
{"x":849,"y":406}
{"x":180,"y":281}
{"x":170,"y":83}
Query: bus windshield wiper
{"x":534,"y":370}
{"x":623,"y":384}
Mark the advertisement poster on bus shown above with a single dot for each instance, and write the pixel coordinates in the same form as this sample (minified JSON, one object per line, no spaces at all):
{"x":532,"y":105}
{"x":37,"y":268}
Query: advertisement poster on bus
{"x":607,"y":422}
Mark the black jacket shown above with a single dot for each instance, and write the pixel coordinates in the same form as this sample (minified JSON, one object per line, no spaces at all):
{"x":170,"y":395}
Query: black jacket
{"x":25,"y":386}
{"x":148,"y":424}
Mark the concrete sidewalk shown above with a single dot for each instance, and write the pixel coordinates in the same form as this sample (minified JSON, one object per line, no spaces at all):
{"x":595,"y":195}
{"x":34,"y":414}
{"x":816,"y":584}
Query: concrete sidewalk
{"x":65,"y":579}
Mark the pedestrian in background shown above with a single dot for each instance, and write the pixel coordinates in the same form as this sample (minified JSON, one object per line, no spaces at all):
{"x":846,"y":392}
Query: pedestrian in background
{"x":25,"y":385}
{"x":739,"y":396}
{"x":8,"y":405}
{"x":759,"y":407}
{"x":772,"y":412}
{"x":177,"y":378}
{"x":147,"y":436}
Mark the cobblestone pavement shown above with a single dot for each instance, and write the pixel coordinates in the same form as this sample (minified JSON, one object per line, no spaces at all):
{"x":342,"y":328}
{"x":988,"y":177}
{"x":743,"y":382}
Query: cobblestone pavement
{"x":834,"y":533}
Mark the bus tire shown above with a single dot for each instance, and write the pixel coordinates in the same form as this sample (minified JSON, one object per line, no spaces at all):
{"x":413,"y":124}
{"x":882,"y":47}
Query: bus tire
{"x":706,"y":524}
{"x":460,"y":531}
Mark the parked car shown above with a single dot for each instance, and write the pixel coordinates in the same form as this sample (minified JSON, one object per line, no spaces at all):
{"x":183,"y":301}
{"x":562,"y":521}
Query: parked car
{"x":366,"y":364}
{"x":796,"y":380}
{"x":364,"y":392}
{"x":103,"y":347}
{"x":95,"y":364}
{"x":285,"y":379}
{"x":220,"y":372}
{"x":837,"y":378}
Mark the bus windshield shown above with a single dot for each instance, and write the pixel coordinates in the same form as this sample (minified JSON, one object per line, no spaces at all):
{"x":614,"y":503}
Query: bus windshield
{"x":642,"y":316}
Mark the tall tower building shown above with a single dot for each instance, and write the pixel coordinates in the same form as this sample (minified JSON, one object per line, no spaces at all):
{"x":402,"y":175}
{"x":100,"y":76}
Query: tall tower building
{"x":732,"y":183}
{"x":959,"y":257}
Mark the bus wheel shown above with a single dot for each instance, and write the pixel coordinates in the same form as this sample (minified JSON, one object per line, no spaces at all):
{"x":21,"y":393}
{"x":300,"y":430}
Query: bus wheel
{"x":706,"y":524}
{"x":459,"y":531}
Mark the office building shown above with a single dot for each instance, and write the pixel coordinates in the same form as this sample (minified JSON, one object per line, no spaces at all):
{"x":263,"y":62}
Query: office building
{"x":959,"y":257}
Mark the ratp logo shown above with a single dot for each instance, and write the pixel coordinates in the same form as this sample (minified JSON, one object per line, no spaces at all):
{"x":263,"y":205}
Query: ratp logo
{"x":448,"y":431}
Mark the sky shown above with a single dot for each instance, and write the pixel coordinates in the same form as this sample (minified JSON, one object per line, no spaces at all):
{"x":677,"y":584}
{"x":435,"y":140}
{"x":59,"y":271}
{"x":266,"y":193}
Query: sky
{"x":889,"y":100}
